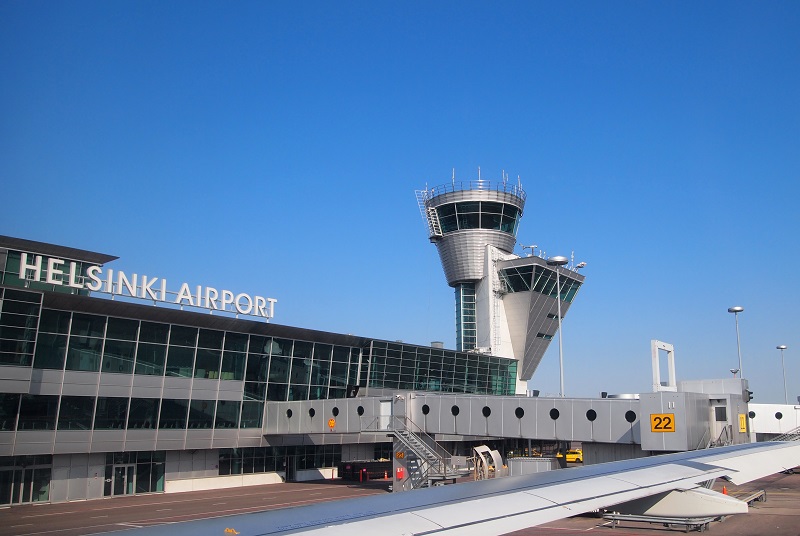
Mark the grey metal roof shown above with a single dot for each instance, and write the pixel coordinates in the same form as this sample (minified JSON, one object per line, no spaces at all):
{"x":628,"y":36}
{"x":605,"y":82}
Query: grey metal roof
{"x":53,"y":250}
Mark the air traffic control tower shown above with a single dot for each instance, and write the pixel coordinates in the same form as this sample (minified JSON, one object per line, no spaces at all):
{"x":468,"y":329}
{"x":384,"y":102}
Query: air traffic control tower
{"x":505,"y":304}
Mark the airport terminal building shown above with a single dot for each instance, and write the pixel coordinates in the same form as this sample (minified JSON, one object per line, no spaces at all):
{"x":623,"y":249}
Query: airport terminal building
{"x":102,"y":397}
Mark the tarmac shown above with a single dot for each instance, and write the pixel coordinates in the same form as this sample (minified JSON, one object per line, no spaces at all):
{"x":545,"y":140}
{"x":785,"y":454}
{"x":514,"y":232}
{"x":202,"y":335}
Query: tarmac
{"x":779,"y":515}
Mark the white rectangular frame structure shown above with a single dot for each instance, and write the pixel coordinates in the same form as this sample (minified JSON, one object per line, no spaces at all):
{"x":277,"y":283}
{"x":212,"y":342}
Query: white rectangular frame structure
{"x":672,"y":384}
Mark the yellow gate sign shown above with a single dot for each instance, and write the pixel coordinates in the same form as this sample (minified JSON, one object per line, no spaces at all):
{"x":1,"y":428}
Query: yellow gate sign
{"x":742,"y":423}
{"x":662,"y":422}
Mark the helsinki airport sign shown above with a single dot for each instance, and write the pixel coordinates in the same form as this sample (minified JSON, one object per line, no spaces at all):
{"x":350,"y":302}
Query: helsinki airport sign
{"x":61,"y":272}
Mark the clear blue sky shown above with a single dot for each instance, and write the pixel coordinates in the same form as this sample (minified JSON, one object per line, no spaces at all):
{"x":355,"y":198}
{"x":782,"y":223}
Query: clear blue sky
{"x":274,"y":148}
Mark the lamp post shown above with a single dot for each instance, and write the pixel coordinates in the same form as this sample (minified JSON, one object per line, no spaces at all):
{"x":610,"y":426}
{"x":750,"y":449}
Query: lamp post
{"x":734,"y":371}
{"x":556,"y":262}
{"x":782,"y":347}
{"x":736,"y":310}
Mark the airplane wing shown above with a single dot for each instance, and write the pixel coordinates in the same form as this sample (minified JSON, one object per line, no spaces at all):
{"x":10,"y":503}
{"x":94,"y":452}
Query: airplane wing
{"x":502,"y":505}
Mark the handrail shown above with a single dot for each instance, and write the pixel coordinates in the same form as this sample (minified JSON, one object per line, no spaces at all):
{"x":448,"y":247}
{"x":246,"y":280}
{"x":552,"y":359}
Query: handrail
{"x":791,"y":435}
{"x":461,"y":186}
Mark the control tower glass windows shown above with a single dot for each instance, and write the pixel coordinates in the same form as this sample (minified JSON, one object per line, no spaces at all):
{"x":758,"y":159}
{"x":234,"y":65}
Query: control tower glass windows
{"x":479,"y":215}
{"x":541,"y":280}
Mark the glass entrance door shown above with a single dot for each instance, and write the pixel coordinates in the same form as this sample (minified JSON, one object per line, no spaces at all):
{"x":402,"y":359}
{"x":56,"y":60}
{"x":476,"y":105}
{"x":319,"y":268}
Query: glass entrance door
{"x":124,"y":476}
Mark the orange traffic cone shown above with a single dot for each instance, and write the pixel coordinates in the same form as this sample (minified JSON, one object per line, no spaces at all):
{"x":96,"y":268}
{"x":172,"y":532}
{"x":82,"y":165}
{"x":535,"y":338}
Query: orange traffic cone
{"x":386,"y":475}
{"x":724,"y":490}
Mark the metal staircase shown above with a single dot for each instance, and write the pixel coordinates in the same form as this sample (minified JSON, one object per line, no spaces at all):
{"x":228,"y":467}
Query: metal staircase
{"x":427,"y":462}
{"x":791,"y":435}
{"x":429,"y":214}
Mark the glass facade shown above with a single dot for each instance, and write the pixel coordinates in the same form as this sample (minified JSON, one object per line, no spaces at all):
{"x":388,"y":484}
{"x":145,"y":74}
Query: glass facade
{"x":134,"y":472}
{"x":488,"y":215}
{"x":252,"y":460}
{"x":19,"y":318}
{"x":421,"y":368}
{"x":25,"y":479}
{"x":466,"y":324}
{"x":539,"y":279}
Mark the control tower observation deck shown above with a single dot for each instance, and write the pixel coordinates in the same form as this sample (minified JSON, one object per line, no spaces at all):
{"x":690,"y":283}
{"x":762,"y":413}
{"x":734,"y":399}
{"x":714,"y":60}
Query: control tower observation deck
{"x":505,"y":304}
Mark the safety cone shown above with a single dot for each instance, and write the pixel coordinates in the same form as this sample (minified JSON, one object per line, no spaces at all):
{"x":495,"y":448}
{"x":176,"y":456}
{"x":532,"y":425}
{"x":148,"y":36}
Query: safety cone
{"x":724,"y":490}
{"x":386,"y":475}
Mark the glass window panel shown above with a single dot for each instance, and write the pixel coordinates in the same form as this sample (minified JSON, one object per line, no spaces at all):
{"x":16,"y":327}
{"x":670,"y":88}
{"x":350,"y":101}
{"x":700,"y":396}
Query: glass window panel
{"x":183,"y":336}
{"x":491,"y":221}
{"x":281,"y":347}
{"x":180,"y":361}
{"x":76,"y":413}
{"x":37,"y":412}
{"x":510,"y":210}
{"x":252,"y":413}
{"x":278,"y":369}
{"x":259,"y":345}
{"x":88,"y":325}
{"x":257,"y":366}
{"x":255,"y":391}
{"x":150,"y":359}
{"x":122,"y":329}
{"x":341,"y":354}
{"x":301,"y":371}
{"x":21,"y":295}
{"x":468,"y":221}
{"x":84,"y":353}
{"x":207,"y":365}
{"x":143,"y":471}
{"x":446,"y":210}
{"x":467,"y":207}
{"x":233,"y":366}
{"x":201,"y":414}
{"x":318,"y":392}
{"x":18,"y":321}
{"x":110,"y":413}
{"x":173,"y":414}
{"x":29,"y":309}
{"x":491,"y":207}
{"x":9,"y":408}
{"x":339,"y":374}
{"x":227,"y":414}
{"x":153,"y":332}
{"x":322,"y":353}
{"x":235,"y":341}
{"x":508,"y":224}
{"x":143,"y":413}
{"x":449,"y":223}
{"x":277,"y":392}
{"x":303,"y":349}
{"x":210,"y":338}
{"x":298,"y":392}
{"x":50,"y":351}
{"x":118,"y":356}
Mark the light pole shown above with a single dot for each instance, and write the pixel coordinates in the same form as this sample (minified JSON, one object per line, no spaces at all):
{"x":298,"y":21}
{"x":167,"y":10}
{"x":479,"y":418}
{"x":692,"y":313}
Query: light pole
{"x":734,"y":371}
{"x":782,"y":347}
{"x":736,"y":310}
{"x":556,"y":262}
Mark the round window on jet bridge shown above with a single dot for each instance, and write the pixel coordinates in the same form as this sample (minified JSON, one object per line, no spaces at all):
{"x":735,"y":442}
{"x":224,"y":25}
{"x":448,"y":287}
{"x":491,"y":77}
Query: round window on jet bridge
{"x":752,"y":414}
{"x":630,"y":416}
{"x":311,"y":412}
{"x":487,"y":411}
{"x":591,"y":415}
{"x":426,"y":409}
{"x":288,"y":414}
{"x":779,"y":415}
{"x":335,"y":411}
{"x":554,"y":414}
{"x":519,"y":412}
{"x":454,"y":410}
{"x":360,"y":410}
